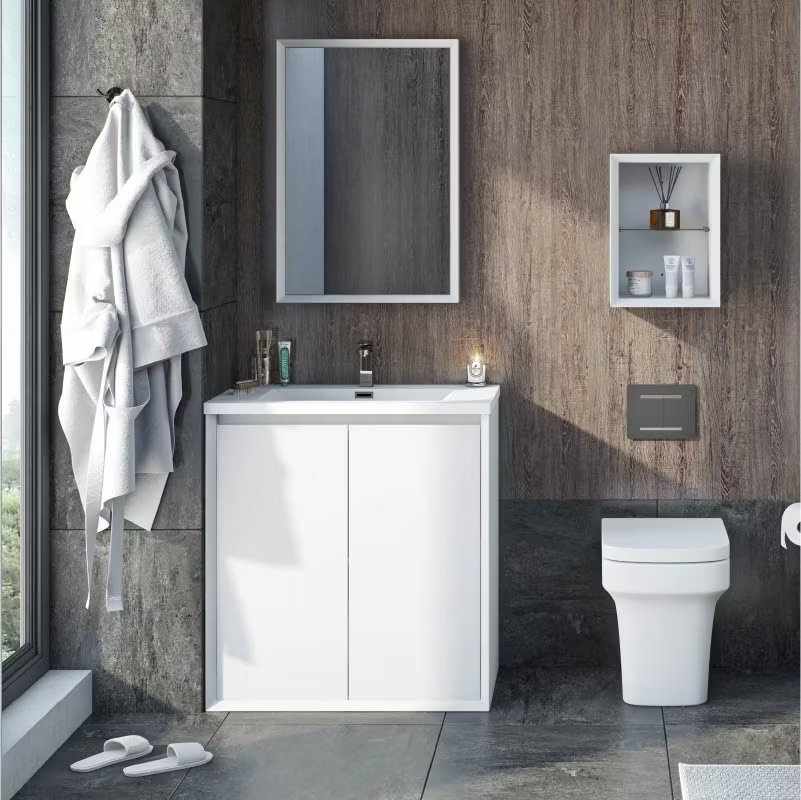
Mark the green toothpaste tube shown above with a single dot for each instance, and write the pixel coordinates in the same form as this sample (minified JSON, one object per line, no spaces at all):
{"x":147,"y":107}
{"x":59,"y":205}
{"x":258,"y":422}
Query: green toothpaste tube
{"x":284,"y":352}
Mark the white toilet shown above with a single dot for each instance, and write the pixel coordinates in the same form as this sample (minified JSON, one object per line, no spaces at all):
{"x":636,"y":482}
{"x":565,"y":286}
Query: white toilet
{"x":665,"y":576}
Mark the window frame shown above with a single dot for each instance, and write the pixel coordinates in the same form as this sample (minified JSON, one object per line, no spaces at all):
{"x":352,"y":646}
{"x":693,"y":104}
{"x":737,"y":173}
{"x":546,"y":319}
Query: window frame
{"x":32,"y":660}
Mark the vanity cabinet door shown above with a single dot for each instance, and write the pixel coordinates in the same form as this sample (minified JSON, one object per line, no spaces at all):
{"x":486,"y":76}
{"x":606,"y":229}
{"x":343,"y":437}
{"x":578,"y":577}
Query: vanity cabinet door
{"x":415,"y":585}
{"x":282,"y":537}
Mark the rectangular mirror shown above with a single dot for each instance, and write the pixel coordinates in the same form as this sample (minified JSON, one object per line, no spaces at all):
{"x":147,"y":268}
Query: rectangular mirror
{"x":367,"y":204}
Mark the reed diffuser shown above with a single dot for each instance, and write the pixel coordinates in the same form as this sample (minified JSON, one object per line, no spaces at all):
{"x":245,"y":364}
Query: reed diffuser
{"x":664,"y":218}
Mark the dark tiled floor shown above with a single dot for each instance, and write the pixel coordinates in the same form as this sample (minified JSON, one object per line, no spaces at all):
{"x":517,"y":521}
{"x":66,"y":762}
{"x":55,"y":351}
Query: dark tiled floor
{"x":56,"y":780}
{"x":549,"y":735}
{"x":505,"y":760}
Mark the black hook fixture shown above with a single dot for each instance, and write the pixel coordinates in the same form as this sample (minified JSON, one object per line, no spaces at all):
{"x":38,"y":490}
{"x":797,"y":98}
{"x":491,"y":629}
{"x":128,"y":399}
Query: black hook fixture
{"x":110,"y":94}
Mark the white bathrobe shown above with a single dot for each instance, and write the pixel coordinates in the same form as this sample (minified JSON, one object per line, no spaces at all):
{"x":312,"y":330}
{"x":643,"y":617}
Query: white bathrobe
{"x":128,"y":316}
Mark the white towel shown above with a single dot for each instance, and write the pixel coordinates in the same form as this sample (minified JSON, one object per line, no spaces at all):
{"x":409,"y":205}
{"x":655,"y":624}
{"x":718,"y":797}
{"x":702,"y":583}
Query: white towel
{"x":128,"y":316}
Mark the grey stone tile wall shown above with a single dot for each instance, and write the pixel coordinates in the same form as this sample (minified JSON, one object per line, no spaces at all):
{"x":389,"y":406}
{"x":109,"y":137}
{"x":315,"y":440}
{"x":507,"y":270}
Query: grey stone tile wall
{"x":152,"y":48}
{"x":181,"y":61}
{"x":148,"y":656}
{"x":554,"y":611}
{"x":757,"y":619}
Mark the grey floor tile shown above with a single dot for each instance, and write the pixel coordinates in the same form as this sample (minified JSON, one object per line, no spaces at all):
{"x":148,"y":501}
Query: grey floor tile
{"x":318,"y":762}
{"x":334,"y":718}
{"x":742,"y":699}
{"x":501,"y":761}
{"x":539,"y":696}
{"x":704,"y":743}
{"x":56,"y":781}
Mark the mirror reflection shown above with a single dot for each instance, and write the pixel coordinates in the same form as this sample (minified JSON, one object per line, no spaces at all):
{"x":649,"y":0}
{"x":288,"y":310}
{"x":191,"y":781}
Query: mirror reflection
{"x":367,"y":171}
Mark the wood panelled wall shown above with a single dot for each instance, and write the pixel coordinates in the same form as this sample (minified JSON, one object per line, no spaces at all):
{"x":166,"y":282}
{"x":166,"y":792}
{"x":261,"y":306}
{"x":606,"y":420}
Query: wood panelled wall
{"x":548,"y":90}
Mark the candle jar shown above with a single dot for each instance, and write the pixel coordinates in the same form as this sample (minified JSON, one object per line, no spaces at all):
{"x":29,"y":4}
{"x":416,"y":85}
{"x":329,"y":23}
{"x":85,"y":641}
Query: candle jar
{"x":665,"y":218}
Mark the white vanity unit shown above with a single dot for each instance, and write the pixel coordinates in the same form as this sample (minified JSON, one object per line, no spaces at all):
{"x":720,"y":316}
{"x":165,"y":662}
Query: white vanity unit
{"x":352,"y":548}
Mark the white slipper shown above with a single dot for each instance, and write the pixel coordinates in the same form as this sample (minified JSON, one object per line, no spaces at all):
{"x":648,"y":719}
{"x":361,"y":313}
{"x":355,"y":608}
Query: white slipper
{"x":179,"y":756}
{"x":123,"y":748}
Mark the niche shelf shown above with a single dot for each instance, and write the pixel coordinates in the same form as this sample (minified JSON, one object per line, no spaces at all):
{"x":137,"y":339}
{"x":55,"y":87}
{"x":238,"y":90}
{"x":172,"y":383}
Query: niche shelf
{"x":632,"y":243}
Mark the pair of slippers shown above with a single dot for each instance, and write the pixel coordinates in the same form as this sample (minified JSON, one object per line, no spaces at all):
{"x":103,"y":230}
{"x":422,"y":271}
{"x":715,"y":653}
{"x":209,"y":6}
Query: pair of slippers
{"x":182,"y":755}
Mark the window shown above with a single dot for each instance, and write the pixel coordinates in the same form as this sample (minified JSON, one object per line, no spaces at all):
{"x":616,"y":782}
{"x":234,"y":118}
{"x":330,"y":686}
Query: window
{"x":23,"y":344}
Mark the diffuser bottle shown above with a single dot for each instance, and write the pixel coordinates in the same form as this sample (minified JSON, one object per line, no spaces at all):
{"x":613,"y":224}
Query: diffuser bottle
{"x":664,"y":218}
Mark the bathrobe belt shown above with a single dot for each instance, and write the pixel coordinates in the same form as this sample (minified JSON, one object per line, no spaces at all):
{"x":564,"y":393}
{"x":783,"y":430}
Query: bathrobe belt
{"x":94,"y":495}
{"x":113,"y":435}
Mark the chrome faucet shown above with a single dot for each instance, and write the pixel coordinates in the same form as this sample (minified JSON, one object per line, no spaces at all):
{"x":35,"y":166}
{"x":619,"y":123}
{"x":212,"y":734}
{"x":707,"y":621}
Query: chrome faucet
{"x":365,"y":363}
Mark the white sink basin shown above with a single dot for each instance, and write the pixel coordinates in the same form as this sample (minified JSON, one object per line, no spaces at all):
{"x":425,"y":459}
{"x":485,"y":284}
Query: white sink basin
{"x":305,"y":399}
{"x":283,"y":394}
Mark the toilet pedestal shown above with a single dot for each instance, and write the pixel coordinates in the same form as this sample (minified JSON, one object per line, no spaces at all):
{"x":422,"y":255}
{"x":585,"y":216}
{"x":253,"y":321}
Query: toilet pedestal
{"x":665,"y":592}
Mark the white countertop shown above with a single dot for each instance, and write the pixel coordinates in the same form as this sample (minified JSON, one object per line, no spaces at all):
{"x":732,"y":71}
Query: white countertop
{"x":446,"y":399}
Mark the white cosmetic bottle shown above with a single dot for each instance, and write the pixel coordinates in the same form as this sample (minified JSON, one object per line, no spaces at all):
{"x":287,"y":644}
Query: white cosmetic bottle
{"x":687,"y":276}
{"x":672,"y":276}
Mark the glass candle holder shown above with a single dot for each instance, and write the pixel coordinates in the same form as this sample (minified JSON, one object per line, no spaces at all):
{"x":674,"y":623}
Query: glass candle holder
{"x":476,"y":371}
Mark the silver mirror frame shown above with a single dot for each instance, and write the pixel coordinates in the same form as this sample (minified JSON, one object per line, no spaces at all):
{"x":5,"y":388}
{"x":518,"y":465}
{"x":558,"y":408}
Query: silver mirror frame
{"x":280,"y":170}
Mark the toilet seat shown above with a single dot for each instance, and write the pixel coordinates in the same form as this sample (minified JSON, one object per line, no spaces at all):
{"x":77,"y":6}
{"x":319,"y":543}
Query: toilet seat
{"x":664,"y":541}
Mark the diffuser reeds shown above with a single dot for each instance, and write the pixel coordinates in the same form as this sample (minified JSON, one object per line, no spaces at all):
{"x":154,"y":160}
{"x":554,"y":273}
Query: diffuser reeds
{"x":663,"y":192}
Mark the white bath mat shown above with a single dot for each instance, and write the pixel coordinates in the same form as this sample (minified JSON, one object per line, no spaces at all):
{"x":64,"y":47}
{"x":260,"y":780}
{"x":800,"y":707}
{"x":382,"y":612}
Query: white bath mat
{"x":740,"y":782}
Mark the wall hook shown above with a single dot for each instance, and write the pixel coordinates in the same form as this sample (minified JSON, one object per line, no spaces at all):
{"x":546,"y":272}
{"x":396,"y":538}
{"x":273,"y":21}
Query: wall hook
{"x":110,"y":94}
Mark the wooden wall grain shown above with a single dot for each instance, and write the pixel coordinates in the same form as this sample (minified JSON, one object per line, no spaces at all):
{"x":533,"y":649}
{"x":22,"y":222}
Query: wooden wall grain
{"x":549,"y":89}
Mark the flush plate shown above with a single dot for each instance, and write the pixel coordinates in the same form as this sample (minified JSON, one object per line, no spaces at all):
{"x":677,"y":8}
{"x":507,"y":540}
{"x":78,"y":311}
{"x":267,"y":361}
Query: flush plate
{"x":661,"y":411}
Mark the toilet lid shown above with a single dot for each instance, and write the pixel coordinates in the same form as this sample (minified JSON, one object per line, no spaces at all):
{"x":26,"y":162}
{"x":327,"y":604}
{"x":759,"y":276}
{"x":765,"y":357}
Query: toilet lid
{"x":682,"y":540}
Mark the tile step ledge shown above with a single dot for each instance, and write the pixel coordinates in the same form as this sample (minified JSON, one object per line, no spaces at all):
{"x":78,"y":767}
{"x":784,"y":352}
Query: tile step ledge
{"x":38,"y":722}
